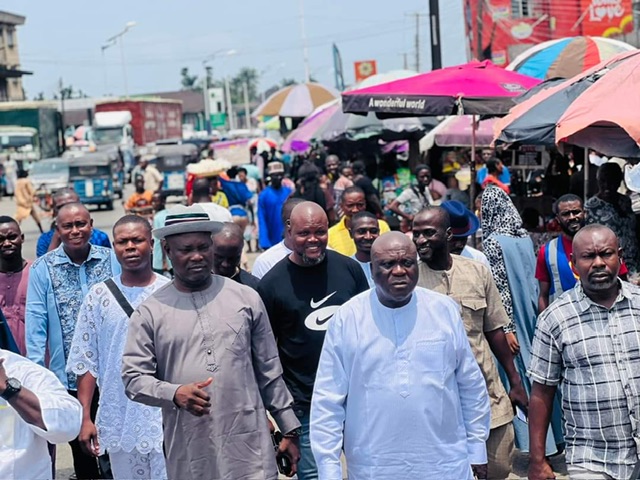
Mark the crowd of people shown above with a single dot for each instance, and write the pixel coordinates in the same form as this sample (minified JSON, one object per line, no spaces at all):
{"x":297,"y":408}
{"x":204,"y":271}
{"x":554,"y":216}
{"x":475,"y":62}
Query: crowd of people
{"x":381,"y":332}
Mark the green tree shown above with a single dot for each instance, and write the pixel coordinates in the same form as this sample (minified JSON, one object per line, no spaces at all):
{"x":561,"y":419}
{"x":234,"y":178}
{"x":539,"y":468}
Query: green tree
{"x":189,"y":82}
{"x":246,"y":76}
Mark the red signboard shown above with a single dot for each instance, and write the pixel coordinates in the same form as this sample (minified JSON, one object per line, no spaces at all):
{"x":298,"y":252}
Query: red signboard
{"x":607,"y":18}
{"x":365,"y":69}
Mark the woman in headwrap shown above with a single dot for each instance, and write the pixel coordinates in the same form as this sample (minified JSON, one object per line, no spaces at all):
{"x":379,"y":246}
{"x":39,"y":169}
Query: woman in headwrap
{"x":510,"y":253}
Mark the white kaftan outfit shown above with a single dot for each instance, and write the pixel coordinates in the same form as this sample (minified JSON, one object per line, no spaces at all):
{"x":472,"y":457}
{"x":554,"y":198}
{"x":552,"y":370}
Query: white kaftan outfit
{"x":131,"y":433}
{"x":401,"y":390}
{"x":23,"y":447}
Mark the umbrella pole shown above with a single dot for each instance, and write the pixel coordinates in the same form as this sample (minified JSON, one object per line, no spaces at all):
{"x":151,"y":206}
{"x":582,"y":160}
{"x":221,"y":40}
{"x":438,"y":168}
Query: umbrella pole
{"x":472,"y":168}
{"x":585,"y":168}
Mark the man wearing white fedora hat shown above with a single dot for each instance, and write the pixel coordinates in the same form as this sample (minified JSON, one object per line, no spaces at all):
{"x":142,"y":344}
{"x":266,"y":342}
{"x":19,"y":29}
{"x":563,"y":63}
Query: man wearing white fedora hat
{"x":202,"y":349}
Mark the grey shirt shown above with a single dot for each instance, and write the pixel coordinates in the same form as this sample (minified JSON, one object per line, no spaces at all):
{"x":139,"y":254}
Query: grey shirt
{"x":222,"y":332}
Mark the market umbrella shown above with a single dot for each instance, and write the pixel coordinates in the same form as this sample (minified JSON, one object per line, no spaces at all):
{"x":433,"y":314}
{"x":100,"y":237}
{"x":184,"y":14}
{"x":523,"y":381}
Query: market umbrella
{"x":475,"y":88}
{"x":534,"y":121}
{"x":330,"y":124}
{"x":306,"y":131}
{"x":605,"y":116}
{"x":567,"y":57}
{"x":296,"y":100}
{"x":263,"y":144}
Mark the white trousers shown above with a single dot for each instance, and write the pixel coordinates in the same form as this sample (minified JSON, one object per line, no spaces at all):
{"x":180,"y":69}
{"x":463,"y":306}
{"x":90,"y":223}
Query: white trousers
{"x":138,"y":466}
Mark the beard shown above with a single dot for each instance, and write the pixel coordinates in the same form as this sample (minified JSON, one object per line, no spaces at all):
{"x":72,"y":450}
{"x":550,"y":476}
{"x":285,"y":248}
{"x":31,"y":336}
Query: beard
{"x":569,"y":232}
{"x":310,"y":262}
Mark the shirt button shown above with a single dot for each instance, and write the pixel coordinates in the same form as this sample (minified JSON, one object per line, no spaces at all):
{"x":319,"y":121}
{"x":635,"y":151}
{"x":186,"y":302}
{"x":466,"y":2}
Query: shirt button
{"x":209,"y":352}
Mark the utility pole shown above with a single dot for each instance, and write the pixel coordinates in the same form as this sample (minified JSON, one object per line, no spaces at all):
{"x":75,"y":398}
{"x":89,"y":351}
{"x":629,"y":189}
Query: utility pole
{"x":436,"y":50}
{"x":247,"y":117}
{"x":305,"y":47}
{"x":417,"y":42}
{"x":417,"y":16}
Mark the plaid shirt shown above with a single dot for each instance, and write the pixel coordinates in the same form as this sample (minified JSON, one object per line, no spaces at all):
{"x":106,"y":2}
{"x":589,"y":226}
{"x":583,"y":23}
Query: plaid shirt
{"x":593,"y":353}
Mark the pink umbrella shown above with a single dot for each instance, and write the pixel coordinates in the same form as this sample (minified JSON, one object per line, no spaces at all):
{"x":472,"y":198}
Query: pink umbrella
{"x":458,"y":131}
{"x":307,"y":129}
{"x":477,"y":88}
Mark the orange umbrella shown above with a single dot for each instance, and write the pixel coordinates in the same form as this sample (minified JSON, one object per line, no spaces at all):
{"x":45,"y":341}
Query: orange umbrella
{"x":605,"y":116}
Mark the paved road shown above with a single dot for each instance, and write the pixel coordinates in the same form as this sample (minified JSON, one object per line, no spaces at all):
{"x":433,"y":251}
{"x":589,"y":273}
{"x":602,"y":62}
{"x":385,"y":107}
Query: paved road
{"x":104,"y":220}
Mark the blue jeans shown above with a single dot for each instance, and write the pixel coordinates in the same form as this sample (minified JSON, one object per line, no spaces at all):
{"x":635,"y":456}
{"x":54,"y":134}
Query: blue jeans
{"x":307,"y":469}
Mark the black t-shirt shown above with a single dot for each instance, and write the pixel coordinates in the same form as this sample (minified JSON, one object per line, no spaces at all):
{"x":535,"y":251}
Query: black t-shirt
{"x":300,"y":301}
{"x":245,"y":278}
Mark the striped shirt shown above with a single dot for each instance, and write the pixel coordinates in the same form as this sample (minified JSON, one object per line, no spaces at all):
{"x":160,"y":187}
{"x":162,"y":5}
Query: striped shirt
{"x":593,"y":353}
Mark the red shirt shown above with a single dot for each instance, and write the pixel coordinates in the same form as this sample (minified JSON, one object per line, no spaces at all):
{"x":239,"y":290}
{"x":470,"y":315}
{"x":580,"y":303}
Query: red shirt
{"x":542,"y":273}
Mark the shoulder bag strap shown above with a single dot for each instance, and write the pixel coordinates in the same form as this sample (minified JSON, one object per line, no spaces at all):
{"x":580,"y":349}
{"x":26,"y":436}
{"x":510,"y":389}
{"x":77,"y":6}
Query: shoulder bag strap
{"x":119,"y":296}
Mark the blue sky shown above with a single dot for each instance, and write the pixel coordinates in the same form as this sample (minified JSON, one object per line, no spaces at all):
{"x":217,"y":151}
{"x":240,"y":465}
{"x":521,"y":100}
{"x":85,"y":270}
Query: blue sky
{"x":63,"y":39}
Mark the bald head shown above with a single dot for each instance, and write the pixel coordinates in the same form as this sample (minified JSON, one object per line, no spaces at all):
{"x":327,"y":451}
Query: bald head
{"x":594,"y":231}
{"x":230,"y":231}
{"x":394,"y":266}
{"x":596,"y":259}
{"x":227,"y":250}
{"x":308,"y":211}
{"x":308,"y":232}
{"x":392,"y":241}
{"x":288,"y":207}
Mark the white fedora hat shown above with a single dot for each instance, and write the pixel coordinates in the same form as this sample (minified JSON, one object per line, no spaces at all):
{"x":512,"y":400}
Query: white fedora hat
{"x":181,"y":219}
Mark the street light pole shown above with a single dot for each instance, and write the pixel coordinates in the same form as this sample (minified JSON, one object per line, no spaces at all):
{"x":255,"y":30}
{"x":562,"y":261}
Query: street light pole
{"x":111,"y":41}
{"x":205,"y":93}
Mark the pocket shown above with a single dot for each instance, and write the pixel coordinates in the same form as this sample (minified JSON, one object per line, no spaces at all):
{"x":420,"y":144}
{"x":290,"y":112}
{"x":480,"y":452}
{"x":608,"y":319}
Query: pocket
{"x":429,"y":356}
{"x":237,"y":333}
{"x":473,"y":303}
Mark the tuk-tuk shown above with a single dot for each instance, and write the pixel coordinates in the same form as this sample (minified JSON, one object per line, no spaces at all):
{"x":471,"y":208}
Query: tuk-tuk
{"x":92,"y":177}
{"x":172,"y":161}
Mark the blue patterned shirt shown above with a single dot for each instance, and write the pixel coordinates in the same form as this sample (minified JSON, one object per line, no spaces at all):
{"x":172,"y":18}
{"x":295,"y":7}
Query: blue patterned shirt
{"x":56,"y":289}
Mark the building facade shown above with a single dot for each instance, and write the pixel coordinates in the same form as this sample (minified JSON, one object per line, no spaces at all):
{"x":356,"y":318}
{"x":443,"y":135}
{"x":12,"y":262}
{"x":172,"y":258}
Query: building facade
{"x":499,"y":30}
{"x":10,"y":71}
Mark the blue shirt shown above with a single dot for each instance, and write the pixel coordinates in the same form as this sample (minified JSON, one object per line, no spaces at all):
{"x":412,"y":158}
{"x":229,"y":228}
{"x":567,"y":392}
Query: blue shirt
{"x":366,"y":268}
{"x":56,"y":289}
{"x":158,"y":222}
{"x":505,"y":176}
{"x":270,"y":226}
{"x":98,"y":237}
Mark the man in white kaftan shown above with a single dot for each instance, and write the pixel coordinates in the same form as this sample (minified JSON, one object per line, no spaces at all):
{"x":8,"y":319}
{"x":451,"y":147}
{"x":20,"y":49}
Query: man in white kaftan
{"x":398,"y":386}
{"x":130,"y":432}
{"x":23,"y":445}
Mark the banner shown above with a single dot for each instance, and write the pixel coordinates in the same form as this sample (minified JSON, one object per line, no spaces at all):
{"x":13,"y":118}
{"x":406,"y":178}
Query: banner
{"x":365,"y":69}
{"x":337,"y":68}
{"x":607,"y":18}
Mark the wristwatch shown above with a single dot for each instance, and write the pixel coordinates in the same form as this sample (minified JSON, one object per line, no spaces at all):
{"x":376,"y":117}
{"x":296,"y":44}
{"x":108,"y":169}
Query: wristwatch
{"x":295,"y":433}
{"x":12,"y":388}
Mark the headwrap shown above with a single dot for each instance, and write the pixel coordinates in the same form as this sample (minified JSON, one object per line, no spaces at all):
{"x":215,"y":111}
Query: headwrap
{"x":499,"y":215}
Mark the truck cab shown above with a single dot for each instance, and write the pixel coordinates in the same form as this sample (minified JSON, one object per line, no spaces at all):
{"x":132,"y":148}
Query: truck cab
{"x":22,"y":144}
{"x":114,"y":129}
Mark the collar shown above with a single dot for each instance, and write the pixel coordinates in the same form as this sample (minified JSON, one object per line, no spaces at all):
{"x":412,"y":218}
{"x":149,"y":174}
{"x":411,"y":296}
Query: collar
{"x":342,"y":224}
{"x":585,"y":303}
{"x":95,"y":253}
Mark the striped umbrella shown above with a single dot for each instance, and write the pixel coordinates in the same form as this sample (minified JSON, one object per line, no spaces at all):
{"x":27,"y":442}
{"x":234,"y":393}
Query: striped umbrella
{"x":566,"y":57}
{"x":296,"y":100}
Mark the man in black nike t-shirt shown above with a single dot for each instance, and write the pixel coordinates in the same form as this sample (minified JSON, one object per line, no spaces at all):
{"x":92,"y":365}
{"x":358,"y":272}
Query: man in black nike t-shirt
{"x":301,"y":293}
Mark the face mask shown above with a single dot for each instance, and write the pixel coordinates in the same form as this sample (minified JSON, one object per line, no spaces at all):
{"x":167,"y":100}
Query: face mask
{"x":596,"y":159}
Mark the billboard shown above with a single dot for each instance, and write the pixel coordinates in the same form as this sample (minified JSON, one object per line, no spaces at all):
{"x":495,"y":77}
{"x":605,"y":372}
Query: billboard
{"x":365,"y":69}
{"x":606,"y":18}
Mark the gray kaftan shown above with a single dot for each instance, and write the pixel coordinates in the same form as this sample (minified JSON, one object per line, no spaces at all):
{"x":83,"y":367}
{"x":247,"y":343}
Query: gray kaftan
{"x":223,"y":332}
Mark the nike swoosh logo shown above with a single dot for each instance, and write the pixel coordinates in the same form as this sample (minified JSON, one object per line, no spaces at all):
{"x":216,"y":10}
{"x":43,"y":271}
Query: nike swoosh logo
{"x":317,"y":304}
{"x":323,"y":321}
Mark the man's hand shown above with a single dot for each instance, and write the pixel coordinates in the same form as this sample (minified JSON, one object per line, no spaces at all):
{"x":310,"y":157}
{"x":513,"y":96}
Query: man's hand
{"x":519,"y":398}
{"x":193,"y":398}
{"x":540,"y":470}
{"x":289,"y":448}
{"x":3,"y":377}
{"x":512,"y":340}
{"x":89,"y":438}
{"x":480,"y":471}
